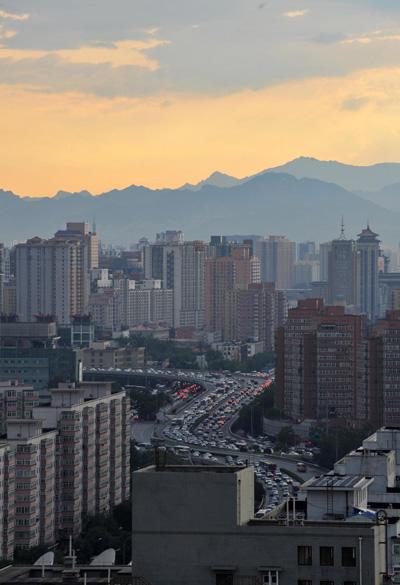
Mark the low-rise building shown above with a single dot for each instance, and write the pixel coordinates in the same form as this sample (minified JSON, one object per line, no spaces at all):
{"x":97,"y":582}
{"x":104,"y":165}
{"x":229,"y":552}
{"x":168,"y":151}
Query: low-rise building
{"x":16,"y":401}
{"x":196,"y":526}
{"x":104,"y":355}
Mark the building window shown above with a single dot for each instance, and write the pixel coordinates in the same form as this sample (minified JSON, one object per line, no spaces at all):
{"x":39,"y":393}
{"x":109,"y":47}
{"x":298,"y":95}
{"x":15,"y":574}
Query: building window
{"x":271,"y":577}
{"x":349,"y":583}
{"x":326,"y":556}
{"x":224,"y":579}
{"x":304,"y":555}
{"x":348,"y":556}
{"x":304,"y":582}
{"x":326,"y":582}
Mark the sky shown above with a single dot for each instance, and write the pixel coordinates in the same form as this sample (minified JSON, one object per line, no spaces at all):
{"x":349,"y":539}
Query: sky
{"x":98,"y":95}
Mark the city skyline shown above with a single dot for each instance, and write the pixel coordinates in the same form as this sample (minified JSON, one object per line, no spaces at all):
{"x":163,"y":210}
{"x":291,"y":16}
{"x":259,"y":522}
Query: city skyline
{"x":157,"y":95}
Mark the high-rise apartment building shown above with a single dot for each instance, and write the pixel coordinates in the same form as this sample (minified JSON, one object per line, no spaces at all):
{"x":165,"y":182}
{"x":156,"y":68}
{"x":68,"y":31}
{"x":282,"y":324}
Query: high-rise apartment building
{"x":180,"y":267}
{"x":277,"y":257}
{"x":67,"y":459}
{"x":7,"y":500}
{"x":254,"y":314}
{"x":80,"y":231}
{"x":2,"y":278}
{"x":51,"y":279}
{"x":368,"y":248}
{"x":343,"y":272}
{"x":92,"y":425}
{"x":184,"y":274}
{"x":321,"y":360}
{"x":52,"y":276}
{"x":223,"y":274}
{"x":384,"y":370}
{"x":35,"y":487}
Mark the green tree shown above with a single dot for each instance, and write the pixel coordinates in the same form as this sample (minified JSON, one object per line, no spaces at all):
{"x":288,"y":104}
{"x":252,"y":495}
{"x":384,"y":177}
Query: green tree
{"x":286,"y":438}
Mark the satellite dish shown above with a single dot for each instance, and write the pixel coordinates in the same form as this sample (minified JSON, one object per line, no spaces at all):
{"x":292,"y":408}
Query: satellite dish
{"x":46,"y":560}
{"x":104,"y":559}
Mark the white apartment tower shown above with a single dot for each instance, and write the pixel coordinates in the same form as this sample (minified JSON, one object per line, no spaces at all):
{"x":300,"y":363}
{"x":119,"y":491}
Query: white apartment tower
{"x":180,"y":266}
{"x":35,"y":463}
{"x":52,"y":278}
{"x":92,"y":471}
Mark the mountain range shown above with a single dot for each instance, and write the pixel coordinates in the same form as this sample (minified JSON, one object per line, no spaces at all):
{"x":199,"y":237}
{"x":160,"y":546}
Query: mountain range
{"x":304,"y":199}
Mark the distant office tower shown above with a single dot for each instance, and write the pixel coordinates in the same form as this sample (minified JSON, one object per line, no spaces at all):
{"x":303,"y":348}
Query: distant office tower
{"x":254,"y":314}
{"x":223,"y":274}
{"x":277,"y":257}
{"x":321,"y":357}
{"x":52,"y":277}
{"x":306,"y":272}
{"x":343,"y":272}
{"x":219,"y":246}
{"x":324,"y":250}
{"x":306,"y":251}
{"x":154,"y":261}
{"x":170,"y":236}
{"x":10,"y":298}
{"x":2,"y":259}
{"x":368,"y":248}
{"x":384,"y":372}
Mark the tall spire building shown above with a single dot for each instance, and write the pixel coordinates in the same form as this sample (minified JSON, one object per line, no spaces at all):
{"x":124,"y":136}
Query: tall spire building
{"x":369,"y":251}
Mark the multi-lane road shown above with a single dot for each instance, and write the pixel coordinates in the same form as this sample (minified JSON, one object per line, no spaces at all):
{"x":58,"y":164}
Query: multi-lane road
{"x":197,"y":425}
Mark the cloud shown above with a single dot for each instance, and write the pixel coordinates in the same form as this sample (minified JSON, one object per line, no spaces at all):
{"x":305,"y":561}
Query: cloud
{"x":295,"y":13}
{"x":355,"y":104}
{"x":368,"y":38}
{"x":6,"y":33}
{"x":60,"y":137}
{"x":119,"y":54}
{"x":13,"y":16}
{"x":152,"y":30}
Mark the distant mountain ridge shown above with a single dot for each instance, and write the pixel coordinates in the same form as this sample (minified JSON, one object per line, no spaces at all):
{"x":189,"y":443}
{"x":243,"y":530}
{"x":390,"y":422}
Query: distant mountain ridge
{"x":350,"y":177}
{"x":269,"y":202}
{"x":216,"y":179}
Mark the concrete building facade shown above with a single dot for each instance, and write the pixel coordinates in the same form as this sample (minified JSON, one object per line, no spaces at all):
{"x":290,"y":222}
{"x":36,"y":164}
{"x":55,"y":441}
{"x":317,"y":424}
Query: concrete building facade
{"x":209,"y":514}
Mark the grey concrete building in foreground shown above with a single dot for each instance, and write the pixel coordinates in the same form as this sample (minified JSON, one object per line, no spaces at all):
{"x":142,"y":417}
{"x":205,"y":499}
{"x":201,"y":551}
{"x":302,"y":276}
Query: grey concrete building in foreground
{"x":196,"y":526}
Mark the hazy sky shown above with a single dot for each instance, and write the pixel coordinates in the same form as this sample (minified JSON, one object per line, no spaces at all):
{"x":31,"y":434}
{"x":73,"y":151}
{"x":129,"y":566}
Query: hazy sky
{"x":97,"y":94}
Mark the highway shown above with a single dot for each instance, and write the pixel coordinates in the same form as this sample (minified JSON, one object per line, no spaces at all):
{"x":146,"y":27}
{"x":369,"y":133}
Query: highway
{"x":197,"y":425}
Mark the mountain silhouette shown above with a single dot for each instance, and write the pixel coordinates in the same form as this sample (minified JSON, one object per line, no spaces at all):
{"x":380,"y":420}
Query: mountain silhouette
{"x":267,"y":203}
{"x":352,"y":178}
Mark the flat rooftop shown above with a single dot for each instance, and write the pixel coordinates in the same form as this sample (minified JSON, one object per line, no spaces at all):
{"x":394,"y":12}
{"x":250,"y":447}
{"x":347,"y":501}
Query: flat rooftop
{"x":337,"y":482}
{"x":192,"y":469}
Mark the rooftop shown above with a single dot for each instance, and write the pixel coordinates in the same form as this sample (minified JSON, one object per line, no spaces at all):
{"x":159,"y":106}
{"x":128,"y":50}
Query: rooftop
{"x":191,"y":469}
{"x":337,"y":482}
